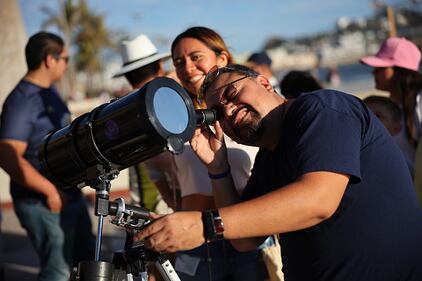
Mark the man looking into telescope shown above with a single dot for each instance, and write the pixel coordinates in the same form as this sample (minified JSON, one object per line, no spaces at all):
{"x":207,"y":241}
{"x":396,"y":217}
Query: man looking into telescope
{"x":153,"y":182}
{"x":57,"y":223}
{"x":328,"y":178}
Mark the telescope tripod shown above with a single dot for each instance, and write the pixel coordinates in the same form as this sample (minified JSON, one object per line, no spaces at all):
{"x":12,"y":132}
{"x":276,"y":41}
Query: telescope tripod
{"x":131,"y":263}
{"x":135,"y":259}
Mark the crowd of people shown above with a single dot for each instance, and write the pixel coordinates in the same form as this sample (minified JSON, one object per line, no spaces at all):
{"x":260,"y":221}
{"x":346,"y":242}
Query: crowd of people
{"x":294,"y":181}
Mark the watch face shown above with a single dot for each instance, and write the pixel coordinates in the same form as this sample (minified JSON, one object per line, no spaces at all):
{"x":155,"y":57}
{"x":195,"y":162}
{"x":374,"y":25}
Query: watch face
{"x":218,"y":223}
{"x":219,"y":228}
{"x":213,"y":225}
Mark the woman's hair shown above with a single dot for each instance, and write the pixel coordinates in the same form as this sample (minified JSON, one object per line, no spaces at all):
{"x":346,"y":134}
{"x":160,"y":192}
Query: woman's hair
{"x":207,"y":36}
{"x":409,"y":83}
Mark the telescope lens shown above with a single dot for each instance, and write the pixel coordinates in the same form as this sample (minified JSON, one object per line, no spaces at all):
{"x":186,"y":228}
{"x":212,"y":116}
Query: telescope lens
{"x":167,"y":105}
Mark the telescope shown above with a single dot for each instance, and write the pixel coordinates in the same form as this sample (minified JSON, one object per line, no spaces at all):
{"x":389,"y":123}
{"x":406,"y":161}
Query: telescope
{"x":113,"y":136}
{"x":160,"y":116}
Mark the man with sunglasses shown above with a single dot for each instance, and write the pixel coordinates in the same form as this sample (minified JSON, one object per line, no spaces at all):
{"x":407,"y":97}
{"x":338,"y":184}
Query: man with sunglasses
{"x":57,"y":224}
{"x":328,"y":178}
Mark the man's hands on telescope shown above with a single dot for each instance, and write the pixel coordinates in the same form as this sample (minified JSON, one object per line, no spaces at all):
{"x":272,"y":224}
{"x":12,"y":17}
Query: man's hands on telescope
{"x":185,"y":230}
{"x":210,"y":148}
{"x":174,"y":232}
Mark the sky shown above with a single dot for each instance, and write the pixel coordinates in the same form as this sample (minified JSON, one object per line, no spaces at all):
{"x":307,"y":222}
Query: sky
{"x":245,"y":25}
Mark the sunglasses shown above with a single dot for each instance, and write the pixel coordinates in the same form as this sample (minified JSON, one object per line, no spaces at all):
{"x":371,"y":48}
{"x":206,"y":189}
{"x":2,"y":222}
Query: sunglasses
{"x":65,"y":58}
{"x":212,"y":74}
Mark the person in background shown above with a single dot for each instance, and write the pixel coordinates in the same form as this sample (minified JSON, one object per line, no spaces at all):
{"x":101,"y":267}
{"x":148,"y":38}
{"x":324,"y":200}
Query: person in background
{"x":387,"y":111}
{"x":296,"y":82}
{"x":57,"y":221}
{"x":333,"y":78}
{"x":390,"y":115}
{"x":1,"y":246}
{"x":261,"y":63}
{"x":194,"y":52}
{"x":418,"y":172}
{"x":328,"y":177}
{"x":396,"y":67}
{"x":153,"y":182}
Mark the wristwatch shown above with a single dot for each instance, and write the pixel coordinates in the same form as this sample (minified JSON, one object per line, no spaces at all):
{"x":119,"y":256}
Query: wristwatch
{"x":213,"y":225}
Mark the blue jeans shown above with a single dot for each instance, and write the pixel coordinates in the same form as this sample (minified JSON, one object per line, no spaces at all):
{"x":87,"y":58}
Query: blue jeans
{"x":61,"y":240}
{"x":47,"y":237}
{"x":225,"y":263}
{"x":79,"y":240}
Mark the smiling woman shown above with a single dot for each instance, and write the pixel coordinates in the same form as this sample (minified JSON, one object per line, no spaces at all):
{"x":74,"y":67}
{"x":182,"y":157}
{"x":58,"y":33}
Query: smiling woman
{"x":194,"y":52}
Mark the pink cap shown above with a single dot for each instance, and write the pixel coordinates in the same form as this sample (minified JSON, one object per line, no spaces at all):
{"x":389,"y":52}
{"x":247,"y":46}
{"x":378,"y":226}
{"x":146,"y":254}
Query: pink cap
{"x":395,"y":52}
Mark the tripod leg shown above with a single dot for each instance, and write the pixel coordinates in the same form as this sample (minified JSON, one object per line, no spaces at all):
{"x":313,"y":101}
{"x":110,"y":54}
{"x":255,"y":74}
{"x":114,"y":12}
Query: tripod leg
{"x":99,"y":238}
{"x":143,"y":275}
{"x":166,"y":270}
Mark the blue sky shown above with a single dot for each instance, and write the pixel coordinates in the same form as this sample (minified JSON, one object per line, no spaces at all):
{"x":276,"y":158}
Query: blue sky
{"x":244,"y":24}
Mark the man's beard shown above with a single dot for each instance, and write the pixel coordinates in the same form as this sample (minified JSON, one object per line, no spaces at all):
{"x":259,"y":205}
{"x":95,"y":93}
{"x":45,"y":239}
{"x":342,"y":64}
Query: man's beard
{"x":251,"y":132}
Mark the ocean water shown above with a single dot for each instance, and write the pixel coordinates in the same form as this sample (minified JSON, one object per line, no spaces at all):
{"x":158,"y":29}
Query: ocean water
{"x":355,"y":79}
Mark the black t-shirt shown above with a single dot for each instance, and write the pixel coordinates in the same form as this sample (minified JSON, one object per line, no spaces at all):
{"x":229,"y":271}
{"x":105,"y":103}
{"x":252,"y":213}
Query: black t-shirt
{"x":29,"y":113}
{"x":376,"y":232}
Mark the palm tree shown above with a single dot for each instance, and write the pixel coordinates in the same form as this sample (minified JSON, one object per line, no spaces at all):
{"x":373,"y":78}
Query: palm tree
{"x":86,"y":32}
{"x":12,"y":51}
{"x":92,"y":36}
{"x":66,"y":21}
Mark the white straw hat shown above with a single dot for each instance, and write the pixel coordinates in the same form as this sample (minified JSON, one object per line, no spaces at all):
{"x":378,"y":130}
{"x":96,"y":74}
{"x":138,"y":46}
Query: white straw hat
{"x":138,"y":53}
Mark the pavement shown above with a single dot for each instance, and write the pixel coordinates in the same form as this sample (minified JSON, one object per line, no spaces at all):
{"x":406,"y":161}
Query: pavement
{"x":18,"y":258}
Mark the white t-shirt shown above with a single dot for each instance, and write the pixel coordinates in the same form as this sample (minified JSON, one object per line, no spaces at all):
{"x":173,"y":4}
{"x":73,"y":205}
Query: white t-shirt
{"x":418,"y":115}
{"x":276,"y":85}
{"x":193,"y":175}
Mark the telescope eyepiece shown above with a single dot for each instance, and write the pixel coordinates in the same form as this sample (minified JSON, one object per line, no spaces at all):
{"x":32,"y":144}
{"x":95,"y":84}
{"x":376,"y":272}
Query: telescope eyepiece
{"x":206,"y":116}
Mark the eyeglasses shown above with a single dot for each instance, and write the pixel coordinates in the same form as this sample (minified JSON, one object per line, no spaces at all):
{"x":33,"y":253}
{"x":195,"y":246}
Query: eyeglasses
{"x":59,"y":57}
{"x":212,"y":74}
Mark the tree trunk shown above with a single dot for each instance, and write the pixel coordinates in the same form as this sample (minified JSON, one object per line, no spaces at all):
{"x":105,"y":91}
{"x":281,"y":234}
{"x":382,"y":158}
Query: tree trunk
{"x":12,"y":64}
{"x":12,"y":52}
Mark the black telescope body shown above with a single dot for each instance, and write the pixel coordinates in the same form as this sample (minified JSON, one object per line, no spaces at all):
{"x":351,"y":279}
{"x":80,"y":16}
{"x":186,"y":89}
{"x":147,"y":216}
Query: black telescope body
{"x":160,"y":116}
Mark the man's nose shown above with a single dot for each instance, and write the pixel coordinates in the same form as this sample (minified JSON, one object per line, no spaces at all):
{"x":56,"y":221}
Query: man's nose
{"x":229,"y":109}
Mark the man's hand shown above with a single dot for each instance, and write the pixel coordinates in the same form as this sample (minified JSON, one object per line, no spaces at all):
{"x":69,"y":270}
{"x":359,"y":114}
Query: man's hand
{"x":210,"y":148}
{"x":22,"y":172}
{"x":174,"y":232}
{"x":54,"y":202}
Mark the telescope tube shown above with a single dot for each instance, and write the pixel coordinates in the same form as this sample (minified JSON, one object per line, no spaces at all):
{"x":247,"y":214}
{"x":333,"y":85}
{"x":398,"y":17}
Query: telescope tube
{"x":160,"y":116}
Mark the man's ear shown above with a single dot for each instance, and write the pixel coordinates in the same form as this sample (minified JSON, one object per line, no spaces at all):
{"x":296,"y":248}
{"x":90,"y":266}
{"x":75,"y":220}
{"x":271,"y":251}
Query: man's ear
{"x":262,"y":80}
{"x":223,"y":59}
{"x":49,"y":61}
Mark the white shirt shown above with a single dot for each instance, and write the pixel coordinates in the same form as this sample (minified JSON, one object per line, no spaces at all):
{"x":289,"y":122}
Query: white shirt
{"x":418,"y":115}
{"x":193,"y":175}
